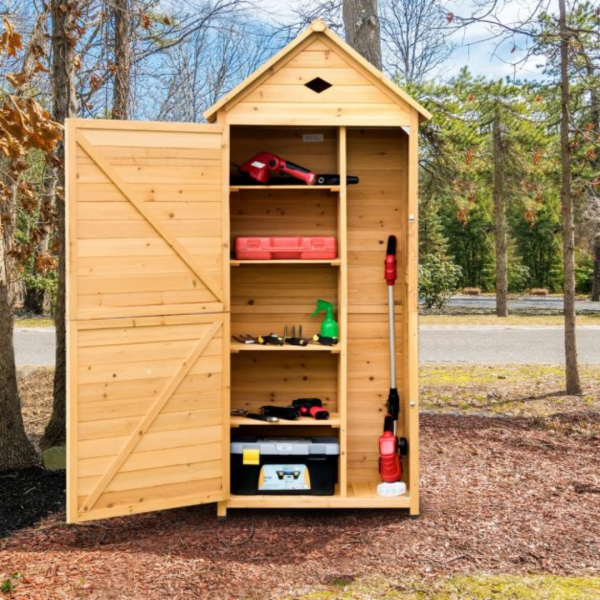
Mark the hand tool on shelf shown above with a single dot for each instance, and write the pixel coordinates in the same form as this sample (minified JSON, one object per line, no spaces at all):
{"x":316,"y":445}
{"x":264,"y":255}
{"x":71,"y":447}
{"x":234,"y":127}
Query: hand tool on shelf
{"x":273,"y":339}
{"x":240,"y":412}
{"x":293,"y":340}
{"x":287,"y":413}
{"x":311,"y":407}
{"x":244,"y":339}
{"x":332,"y":179}
{"x":325,"y":341}
{"x":390,"y":465}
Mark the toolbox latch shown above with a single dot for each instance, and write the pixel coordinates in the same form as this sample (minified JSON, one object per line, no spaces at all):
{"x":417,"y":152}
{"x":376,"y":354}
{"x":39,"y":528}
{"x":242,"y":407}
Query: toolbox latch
{"x":251,"y":456}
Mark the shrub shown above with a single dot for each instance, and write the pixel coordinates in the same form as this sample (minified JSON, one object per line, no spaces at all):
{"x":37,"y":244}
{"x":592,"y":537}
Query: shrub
{"x":584,"y":272}
{"x":539,"y":292}
{"x":438,"y":280}
{"x":518,"y":277}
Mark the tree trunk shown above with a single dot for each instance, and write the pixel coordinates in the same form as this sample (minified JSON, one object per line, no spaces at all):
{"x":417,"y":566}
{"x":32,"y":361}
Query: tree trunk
{"x":16,"y":451}
{"x":595,"y":119}
{"x":596,"y":280}
{"x":361,"y":23}
{"x":122,"y":53}
{"x":572,"y":369}
{"x":500,"y":216}
{"x":65,"y":106}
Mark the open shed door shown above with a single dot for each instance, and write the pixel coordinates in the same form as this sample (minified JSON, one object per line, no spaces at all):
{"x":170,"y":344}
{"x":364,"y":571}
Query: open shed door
{"x":147,"y":317}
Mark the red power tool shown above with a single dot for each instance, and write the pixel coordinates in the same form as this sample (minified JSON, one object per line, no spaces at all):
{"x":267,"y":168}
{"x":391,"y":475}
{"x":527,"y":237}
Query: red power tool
{"x":260,"y":166}
{"x":311,"y":407}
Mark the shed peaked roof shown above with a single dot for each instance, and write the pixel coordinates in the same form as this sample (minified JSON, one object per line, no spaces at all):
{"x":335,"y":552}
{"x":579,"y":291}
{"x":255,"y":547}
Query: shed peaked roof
{"x":317,"y":28}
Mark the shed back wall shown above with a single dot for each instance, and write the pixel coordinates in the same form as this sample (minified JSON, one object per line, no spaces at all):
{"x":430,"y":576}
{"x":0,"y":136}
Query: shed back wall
{"x":376,"y":209}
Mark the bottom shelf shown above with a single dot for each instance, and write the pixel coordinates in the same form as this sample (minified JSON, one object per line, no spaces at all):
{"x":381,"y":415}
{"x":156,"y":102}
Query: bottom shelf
{"x":360,"y":495}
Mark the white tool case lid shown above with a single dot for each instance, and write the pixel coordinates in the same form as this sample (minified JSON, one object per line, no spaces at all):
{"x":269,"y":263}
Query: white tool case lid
{"x":287,"y":446}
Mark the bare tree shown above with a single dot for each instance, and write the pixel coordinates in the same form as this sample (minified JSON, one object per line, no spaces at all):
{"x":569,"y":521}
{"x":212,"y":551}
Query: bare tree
{"x":555,"y":41}
{"x":500,"y":217}
{"x":361,"y":24}
{"x":414,"y":35}
{"x":210,"y":63}
{"x":66,"y":29}
{"x":16,"y":450}
{"x":24,"y":127}
{"x":124,"y":30}
{"x":573,"y":382}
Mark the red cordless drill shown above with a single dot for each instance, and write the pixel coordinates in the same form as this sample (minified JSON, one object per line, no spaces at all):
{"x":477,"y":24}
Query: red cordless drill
{"x":311,"y":407}
{"x":259,"y":167}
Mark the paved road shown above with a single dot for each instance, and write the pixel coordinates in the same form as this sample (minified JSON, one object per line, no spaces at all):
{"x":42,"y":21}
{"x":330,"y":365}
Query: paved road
{"x":497,"y":344}
{"x":526,"y":302}
{"x":34,"y":346}
{"x":439,"y":344}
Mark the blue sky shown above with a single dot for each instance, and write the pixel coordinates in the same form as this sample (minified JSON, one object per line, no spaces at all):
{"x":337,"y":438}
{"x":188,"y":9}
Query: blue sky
{"x":492,"y":57}
{"x":474,"y":48}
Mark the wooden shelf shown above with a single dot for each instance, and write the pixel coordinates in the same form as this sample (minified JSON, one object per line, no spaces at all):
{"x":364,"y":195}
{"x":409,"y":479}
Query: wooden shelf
{"x":356,"y":498}
{"x":334,"y":262}
{"x":239,"y":347}
{"x":333,"y":422}
{"x":327,"y":188}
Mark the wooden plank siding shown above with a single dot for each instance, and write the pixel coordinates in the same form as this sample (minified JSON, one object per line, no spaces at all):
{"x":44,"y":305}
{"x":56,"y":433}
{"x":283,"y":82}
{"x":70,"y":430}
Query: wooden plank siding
{"x":148,"y":334}
{"x":151,"y":202}
{"x":375,"y":210}
{"x":282,"y":98}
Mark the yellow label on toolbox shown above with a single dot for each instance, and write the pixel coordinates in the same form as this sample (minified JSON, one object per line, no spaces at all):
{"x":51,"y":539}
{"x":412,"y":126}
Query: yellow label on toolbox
{"x":251,"y":456}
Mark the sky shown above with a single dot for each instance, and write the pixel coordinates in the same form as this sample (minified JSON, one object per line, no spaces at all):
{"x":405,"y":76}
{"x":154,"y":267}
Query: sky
{"x":486,"y":56}
{"x":474,"y":48}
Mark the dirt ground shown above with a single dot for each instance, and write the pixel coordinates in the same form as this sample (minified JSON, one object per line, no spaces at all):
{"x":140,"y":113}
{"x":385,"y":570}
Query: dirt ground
{"x":499,"y":495}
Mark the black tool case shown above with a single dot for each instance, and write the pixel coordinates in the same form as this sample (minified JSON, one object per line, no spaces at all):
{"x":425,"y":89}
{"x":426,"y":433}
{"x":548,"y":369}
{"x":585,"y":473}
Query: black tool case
{"x":284,"y":466}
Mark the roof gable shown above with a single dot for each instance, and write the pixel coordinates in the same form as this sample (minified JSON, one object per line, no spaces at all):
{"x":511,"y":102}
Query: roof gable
{"x":318,"y":53}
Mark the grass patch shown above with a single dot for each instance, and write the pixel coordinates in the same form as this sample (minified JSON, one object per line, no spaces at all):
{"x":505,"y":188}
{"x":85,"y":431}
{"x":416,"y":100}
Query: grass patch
{"x":511,"y":320}
{"x":34,"y":322}
{"x":528,"y":391}
{"x":478,"y":587}
{"x":482,"y":374}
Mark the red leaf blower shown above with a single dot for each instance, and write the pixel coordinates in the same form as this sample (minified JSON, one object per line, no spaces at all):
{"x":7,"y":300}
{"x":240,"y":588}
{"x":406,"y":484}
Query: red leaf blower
{"x":260,"y":166}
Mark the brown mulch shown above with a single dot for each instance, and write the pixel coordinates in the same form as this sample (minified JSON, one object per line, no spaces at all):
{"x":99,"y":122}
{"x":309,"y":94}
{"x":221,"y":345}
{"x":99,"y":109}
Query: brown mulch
{"x":498,"y":495}
{"x":35,"y":389}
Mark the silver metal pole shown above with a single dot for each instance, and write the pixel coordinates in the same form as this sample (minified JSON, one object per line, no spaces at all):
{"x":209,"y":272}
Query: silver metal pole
{"x":392,"y":337}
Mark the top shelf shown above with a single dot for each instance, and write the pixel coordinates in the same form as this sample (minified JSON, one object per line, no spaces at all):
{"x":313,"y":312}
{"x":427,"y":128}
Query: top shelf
{"x":328,"y":188}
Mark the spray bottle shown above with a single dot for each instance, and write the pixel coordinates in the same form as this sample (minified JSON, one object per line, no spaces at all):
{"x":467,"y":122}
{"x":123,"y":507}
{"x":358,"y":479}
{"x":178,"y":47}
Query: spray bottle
{"x":329,"y":328}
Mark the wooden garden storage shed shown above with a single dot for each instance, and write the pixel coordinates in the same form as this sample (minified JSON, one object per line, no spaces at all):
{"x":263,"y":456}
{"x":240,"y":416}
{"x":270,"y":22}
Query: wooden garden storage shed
{"x":154,"y":295}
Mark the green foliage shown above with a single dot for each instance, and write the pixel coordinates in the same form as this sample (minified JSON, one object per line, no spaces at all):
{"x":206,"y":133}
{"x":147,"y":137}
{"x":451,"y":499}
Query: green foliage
{"x":457,"y":180}
{"x":518,"y":277}
{"x":438,"y":280}
{"x":10,"y":584}
{"x":584,"y":272}
{"x":539,"y":245}
{"x":432,"y":238}
{"x":42,"y":285}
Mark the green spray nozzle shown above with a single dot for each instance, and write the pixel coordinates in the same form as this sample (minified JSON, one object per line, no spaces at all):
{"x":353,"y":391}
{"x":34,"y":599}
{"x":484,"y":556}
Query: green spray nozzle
{"x":329,"y":328}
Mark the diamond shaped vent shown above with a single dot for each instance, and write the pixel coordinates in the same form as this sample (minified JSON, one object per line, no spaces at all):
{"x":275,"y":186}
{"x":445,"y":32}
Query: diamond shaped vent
{"x":318,"y":85}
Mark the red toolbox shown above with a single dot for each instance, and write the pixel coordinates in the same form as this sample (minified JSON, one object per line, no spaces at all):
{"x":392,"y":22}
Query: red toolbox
{"x":304,"y":248}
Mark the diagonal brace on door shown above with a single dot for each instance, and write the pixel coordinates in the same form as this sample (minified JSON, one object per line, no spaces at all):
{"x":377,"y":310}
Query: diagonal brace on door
{"x":170,"y":239}
{"x":149,"y":418}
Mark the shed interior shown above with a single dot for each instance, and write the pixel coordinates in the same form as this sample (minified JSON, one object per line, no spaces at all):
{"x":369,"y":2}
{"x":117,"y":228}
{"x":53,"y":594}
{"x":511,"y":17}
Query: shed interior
{"x":352,"y":378}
